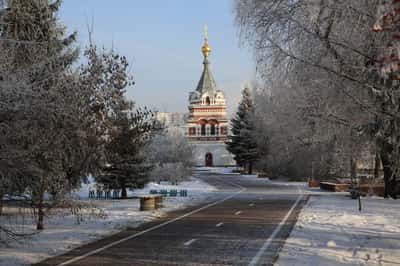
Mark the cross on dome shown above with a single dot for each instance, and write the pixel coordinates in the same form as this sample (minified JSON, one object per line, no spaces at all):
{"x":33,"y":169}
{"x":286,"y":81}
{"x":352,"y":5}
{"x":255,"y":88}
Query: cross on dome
{"x":206,"y":82}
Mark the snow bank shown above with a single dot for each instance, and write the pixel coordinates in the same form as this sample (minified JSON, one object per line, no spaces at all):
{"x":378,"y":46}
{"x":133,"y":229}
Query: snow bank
{"x":331,"y":231}
{"x":250,"y":176}
{"x":219,"y":170}
{"x":194,"y":186}
{"x":62,"y":232}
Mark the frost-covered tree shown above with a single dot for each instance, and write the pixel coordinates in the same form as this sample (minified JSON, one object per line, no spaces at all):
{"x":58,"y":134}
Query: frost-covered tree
{"x":103,"y":81}
{"x":39,"y":92}
{"x":329,"y":56}
{"x":120,"y":131}
{"x":387,"y":126}
{"x":55,"y":119}
{"x":172,"y":157}
{"x":242,"y":143}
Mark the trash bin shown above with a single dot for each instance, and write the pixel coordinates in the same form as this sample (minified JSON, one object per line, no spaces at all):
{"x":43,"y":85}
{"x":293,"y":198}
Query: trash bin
{"x":147,"y":203}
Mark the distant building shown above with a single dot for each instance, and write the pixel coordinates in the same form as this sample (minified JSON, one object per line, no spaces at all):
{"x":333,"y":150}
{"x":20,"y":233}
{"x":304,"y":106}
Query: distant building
{"x":172,"y":119}
{"x":207,"y":123}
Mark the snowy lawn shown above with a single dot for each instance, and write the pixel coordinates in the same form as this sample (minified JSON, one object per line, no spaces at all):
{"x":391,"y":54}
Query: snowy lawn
{"x":62,"y":232}
{"x":331,"y":231}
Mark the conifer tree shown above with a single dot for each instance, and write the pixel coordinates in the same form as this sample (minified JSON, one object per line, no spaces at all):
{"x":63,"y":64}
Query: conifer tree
{"x":126,"y":165}
{"x":40,"y":107}
{"x":242,"y":143}
{"x":123,"y":130}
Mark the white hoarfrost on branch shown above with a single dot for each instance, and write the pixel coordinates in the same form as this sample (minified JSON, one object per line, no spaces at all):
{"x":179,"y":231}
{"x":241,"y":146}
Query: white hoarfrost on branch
{"x":331,"y":85}
{"x":172,"y":157}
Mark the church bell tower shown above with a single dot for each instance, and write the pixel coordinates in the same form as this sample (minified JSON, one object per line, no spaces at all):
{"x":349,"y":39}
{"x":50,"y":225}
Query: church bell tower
{"x":207,"y":125}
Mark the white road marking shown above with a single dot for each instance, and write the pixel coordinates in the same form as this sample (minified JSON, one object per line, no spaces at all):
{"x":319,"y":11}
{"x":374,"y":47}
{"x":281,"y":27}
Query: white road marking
{"x":266,"y":244}
{"x":234,"y":184}
{"x":219,"y":224}
{"x":238,"y":212}
{"x":188,"y":243}
{"x":251,"y":204}
{"x":154,"y":227}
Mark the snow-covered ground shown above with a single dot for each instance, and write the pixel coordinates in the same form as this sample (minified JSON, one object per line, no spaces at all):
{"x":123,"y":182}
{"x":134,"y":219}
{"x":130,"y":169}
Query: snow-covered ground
{"x":62,"y":231}
{"x":331,"y":231}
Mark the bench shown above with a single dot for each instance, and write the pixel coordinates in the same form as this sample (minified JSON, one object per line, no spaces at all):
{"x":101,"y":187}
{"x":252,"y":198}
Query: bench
{"x":171,"y":193}
{"x":335,"y":187}
{"x":100,"y":194}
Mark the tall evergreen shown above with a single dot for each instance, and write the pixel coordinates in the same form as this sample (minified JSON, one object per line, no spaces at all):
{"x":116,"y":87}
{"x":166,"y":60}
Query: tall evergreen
{"x":242,"y":143}
{"x":38,"y":96}
{"x":39,"y":41}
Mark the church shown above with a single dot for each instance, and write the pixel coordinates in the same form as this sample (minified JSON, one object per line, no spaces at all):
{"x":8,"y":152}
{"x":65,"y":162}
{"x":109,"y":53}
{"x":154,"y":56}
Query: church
{"x":207,"y":123}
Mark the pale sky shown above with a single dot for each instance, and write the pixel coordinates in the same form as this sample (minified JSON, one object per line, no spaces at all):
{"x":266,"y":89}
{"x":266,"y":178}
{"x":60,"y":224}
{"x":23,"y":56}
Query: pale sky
{"x":162,"y":41}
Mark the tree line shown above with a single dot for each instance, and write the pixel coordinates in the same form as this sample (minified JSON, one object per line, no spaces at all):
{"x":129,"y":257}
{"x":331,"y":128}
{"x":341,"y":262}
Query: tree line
{"x":329,"y":93}
{"x":61,"y":122}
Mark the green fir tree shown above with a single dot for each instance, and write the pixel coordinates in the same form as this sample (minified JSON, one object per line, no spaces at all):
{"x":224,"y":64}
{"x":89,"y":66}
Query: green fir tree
{"x":126,"y":163}
{"x":242,"y":143}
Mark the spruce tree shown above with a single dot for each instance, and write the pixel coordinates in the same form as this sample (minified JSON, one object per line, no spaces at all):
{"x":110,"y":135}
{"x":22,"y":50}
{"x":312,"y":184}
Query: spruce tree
{"x":126,"y":164}
{"x":38,"y":95}
{"x":242,"y":143}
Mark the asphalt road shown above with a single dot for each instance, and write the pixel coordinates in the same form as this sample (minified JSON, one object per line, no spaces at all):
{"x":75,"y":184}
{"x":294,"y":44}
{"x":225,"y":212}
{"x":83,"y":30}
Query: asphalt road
{"x":245,"y":223}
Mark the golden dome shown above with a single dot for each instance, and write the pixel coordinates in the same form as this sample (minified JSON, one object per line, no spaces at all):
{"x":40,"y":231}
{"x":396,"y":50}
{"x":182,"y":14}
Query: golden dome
{"x":206,"y":49}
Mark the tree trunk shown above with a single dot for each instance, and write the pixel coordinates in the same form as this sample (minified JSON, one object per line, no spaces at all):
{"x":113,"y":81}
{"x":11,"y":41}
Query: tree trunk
{"x":250,"y":170}
{"x":312,"y":170}
{"x":393,"y":187}
{"x":377,"y":165}
{"x":387,"y":171}
{"x":124,"y":193}
{"x":353,"y":168}
{"x":39,"y":225}
{"x":244,"y":165}
{"x":1,"y":205}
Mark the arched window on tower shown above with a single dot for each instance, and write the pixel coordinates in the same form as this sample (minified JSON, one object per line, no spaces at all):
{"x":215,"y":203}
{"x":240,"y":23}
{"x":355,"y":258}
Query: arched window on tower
{"x":208,"y":100}
{"x":212,"y":130}
{"x":203,"y":130}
